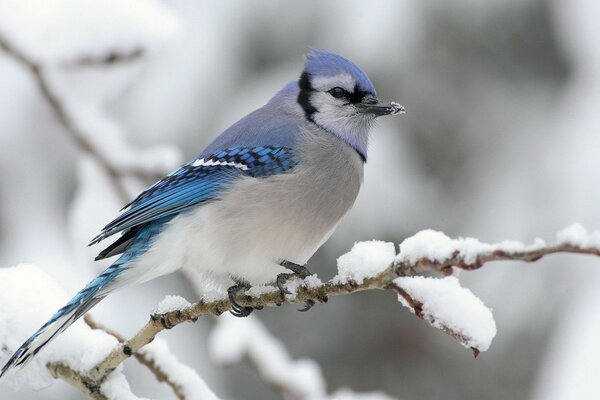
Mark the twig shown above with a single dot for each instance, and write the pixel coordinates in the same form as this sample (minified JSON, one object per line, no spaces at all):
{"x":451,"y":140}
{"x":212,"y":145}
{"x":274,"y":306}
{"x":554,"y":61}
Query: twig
{"x":152,"y":365}
{"x":417,"y":309}
{"x":109,"y":59}
{"x":425,"y":265}
{"x":81,"y":382}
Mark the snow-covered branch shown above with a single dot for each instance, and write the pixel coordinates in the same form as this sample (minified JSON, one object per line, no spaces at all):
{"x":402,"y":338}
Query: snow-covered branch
{"x":368,"y":266}
{"x":375,"y":265}
{"x":183,"y":380}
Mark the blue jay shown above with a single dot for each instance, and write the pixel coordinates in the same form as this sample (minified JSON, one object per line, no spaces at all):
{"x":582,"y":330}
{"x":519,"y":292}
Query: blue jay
{"x":255,"y":204}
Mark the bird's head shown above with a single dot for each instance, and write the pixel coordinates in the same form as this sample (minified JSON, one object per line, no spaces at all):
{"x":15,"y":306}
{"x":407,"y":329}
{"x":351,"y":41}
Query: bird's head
{"x":339,"y":97}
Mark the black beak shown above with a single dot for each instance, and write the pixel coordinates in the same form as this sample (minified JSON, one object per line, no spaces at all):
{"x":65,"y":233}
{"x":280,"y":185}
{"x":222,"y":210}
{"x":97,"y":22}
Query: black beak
{"x":370,"y":105}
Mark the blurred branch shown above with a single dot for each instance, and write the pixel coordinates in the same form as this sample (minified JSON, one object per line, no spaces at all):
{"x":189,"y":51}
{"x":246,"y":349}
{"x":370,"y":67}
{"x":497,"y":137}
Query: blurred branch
{"x":160,"y":373}
{"x":81,"y":382}
{"x":233,"y":340}
{"x":109,"y":59}
{"x":76,"y":133}
{"x":320,"y":293}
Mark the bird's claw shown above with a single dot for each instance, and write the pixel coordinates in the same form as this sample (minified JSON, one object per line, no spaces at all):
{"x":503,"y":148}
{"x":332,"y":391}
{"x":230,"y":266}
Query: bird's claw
{"x":308,"y":304}
{"x":298,"y":271}
{"x":280,"y":282}
{"x":238,"y":310}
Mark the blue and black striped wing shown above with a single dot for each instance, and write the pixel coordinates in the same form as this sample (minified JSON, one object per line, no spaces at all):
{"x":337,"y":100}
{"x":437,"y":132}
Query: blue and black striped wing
{"x":197,"y":182}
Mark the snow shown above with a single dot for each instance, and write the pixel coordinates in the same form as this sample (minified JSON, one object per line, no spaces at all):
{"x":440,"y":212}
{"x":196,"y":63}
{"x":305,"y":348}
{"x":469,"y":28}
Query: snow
{"x":257,"y":291}
{"x":190,"y":384}
{"x":437,"y":247}
{"x":364,"y":260}
{"x":232,"y":339}
{"x":577,"y":235}
{"x":28,"y":297}
{"x":171,"y":303}
{"x":345,"y":394}
{"x":312,"y":281}
{"x":63,"y":30}
{"x":292,"y":285}
{"x":446,"y":304}
{"x":116,"y":387}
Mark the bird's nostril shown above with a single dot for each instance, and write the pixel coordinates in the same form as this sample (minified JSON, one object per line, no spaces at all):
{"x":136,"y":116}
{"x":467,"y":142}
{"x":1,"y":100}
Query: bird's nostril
{"x":370,"y":99}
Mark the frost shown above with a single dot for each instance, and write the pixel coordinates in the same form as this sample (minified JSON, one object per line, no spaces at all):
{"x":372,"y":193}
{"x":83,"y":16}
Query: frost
{"x":364,"y":260}
{"x":28,"y":297}
{"x":577,"y":235}
{"x":171,"y":303}
{"x":445,"y":304}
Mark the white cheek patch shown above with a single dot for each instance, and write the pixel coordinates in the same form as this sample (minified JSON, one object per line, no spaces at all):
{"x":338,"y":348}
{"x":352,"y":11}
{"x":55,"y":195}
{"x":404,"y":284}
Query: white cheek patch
{"x":330,"y":107}
{"x":338,"y":118}
{"x":343,"y":80}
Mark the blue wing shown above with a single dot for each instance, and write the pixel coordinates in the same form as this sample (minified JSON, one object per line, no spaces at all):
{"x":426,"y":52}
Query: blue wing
{"x":196,"y":182}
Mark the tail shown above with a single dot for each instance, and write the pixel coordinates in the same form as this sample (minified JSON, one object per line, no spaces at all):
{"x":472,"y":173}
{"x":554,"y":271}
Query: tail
{"x":83,"y":301}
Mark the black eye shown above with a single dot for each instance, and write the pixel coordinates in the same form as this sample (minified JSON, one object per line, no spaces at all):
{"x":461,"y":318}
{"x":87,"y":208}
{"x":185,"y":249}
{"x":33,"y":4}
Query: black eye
{"x":338,"y":92}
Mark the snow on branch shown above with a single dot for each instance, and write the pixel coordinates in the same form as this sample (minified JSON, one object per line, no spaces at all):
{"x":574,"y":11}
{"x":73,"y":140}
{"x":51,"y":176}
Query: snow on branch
{"x":372,"y":265}
{"x":156,"y":356}
{"x":79,"y":349}
{"x":368,"y":266}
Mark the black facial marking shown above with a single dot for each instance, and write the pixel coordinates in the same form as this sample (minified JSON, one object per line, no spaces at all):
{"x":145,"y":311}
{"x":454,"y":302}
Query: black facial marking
{"x":304,"y":96}
{"x":357,"y":95}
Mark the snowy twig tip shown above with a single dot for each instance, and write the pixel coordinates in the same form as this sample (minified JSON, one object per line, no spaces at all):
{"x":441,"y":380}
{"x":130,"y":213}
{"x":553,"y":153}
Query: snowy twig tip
{"x":447,"y":306}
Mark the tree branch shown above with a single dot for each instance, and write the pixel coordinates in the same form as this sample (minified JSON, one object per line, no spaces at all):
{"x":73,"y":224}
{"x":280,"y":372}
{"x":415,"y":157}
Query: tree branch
{"x":319,"y":293}
{"x":81,"y":382}
{"x":153,"y":365}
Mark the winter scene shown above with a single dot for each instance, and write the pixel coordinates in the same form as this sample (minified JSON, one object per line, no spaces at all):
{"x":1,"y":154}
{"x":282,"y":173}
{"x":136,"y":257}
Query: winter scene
{"x":299,"y":200}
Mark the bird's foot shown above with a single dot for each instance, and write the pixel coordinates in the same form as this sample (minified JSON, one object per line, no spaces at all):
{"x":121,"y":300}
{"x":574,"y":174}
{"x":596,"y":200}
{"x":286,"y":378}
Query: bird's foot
{"x":238,"y":310}
{"x":298,"y":271}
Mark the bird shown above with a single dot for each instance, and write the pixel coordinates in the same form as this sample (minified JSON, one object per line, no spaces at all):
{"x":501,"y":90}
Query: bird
{"x":254,"y":205}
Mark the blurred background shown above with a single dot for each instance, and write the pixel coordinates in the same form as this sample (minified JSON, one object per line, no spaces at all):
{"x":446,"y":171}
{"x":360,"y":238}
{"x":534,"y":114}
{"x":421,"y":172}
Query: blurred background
{"x":501,"y":140}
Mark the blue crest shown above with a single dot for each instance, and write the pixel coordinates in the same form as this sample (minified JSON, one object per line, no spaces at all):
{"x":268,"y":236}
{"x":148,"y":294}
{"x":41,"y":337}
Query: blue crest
{"x":325,"y":63}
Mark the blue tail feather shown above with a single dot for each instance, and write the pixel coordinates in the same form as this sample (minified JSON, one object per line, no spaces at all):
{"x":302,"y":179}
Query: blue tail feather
{"x":83,"y":301}
{"x":89,"y":296}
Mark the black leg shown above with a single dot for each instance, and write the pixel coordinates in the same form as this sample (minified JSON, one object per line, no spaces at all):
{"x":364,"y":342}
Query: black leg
{"x":299,"y":271}
{"x":237,"y":309}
